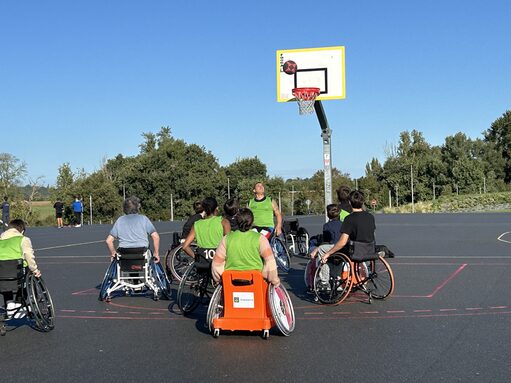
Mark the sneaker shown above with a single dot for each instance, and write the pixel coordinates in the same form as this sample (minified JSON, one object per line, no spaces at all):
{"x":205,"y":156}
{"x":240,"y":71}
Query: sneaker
{"x":324,"y":286}
{"x":12,"y":307}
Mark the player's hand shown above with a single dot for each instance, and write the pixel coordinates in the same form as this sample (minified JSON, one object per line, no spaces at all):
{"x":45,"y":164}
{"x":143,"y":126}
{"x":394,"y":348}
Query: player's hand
{"x":324,"y":258}
{"x":37,"y":274}
{"x":156,"y":258}
{"x":314,"y":252}
{"x":278,"y":231}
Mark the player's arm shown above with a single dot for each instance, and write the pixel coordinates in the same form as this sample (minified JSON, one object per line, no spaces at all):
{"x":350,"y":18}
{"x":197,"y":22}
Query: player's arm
{"x":218,"y":264}
{"x":278,"y":216}
{"x":110,"y":244}
{"x":189,"y":239}
{"x":338,"y":246}
{"x":156,"y":243}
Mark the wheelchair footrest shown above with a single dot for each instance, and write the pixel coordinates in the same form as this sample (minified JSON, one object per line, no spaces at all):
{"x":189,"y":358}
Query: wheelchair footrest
{"x":243,"y":324}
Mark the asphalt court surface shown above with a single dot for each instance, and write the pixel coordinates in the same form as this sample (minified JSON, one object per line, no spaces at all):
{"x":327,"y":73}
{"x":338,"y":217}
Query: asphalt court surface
{"x":448,"y":319}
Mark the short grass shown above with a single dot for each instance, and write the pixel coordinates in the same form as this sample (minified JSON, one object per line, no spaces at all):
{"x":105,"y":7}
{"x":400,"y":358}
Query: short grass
{"x":43,"y":209}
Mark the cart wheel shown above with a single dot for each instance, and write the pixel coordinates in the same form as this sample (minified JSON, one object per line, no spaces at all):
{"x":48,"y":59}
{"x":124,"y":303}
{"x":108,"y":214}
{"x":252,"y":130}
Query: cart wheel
{"x":216,"y":333}
{"x":266,"y":334}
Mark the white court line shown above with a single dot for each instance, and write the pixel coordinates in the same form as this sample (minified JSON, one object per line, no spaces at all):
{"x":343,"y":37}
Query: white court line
{"x":84,"y":243}
{"x":499,"y":238}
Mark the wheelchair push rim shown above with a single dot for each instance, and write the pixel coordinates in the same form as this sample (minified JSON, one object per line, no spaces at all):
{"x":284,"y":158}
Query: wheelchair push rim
{"x":161,"y":279}
{"x":215,"y":308}
{"x":108,"y":280}
{"x":340,"y":280}
{"x":190,"y":292}
{"x":281,"y":254}
{"x":40,"y":303}
{"x":177,"y":261}
{"x":282,"y":309}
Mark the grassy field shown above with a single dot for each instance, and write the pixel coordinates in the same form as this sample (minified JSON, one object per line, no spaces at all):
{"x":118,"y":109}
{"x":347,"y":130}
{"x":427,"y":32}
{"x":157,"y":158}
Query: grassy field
{"x":43,"y":209}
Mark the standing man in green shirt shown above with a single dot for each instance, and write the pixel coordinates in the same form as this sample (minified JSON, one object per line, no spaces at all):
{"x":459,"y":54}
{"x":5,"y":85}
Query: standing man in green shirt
{"x":264,"y":208}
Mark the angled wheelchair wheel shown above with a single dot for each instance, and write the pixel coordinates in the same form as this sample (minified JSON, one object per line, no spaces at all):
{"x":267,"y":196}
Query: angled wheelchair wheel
{"x":333,"y":280}
{"x":282,"y":309}
{"x":281,"y":254}
{"x":177,"y":261}
{"x":40,"y":304}
{"x":380,"y":279}
{"x":161,"y":279}
{"x":108,"y":281}
{"x":191,"y":290}
{"x":216,"y":307}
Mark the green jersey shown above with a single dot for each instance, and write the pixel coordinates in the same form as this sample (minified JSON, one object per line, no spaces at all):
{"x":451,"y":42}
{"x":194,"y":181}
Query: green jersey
{"x":10,"y":248}
{"x":209,"y":232}
{"x":263,"y":212}
{"x":242,"y":250}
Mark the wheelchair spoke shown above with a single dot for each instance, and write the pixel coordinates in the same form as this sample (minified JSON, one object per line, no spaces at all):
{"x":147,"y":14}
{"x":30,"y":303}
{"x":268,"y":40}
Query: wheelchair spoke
{"x":333,"y":281}
{"x":380,"y":281}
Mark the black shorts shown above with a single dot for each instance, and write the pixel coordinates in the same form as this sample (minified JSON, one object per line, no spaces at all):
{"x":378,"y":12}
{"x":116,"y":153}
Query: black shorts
{"x":58,"y":215}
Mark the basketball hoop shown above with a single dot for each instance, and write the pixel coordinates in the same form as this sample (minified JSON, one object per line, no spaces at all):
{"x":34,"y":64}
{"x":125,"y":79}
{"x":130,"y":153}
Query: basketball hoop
{"x":306,"y":98}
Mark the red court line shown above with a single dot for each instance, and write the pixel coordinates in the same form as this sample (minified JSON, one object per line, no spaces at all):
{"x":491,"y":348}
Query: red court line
{"x":437,"y":288}
{"x":451,"y":277}
{"x":358,"y":317}
{"x":118,"y":318}
{"x":82,"y":292}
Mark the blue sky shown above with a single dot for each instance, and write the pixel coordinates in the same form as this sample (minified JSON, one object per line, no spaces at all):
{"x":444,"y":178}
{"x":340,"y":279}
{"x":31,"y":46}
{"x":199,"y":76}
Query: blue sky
{"x":80,"y":81}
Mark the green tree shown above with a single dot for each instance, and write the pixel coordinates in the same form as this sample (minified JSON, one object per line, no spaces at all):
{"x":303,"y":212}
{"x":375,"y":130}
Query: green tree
{"x":12,"y":171}
{"x":499,"y":134}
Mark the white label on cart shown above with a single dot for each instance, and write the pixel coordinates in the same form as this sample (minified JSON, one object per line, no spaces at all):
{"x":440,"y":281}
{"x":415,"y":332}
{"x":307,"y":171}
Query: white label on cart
{"x":243,"y":300}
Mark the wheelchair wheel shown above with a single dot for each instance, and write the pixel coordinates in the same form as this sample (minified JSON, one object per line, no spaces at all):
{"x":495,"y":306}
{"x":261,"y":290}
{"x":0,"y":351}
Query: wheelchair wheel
{"x":216,"y":307}
{"x":308,"y":274}
{"x":108,"y":281}
{"x":191,"y":289}
{"x":281,"y":254}
{"x":340,"y":281}
{"x":161,"y":279}
{"x":177,"y":261}
{"x":40,"y":304}
{"x":380,"y":281}
{"x":282,"y":309}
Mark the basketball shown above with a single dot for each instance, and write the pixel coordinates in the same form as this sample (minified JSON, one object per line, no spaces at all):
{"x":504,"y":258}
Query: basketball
{"x":289,"y":67}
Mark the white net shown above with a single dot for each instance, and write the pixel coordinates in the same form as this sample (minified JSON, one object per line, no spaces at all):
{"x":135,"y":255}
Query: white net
{"x":306,"y":97}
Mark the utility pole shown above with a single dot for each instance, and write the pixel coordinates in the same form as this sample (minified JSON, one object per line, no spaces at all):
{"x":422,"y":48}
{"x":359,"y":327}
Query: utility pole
{"x":90,"y":208}
{"x":484,"y":184}
{"x":171,"y":207}
{"x":292,"y":199}
{"x":411,"y":182}
{"x":123,"y":191}
{"x":397,"y":195}
{"x":228,"y":188}
{"x":434,"y":191}
{"x":390,"y":199}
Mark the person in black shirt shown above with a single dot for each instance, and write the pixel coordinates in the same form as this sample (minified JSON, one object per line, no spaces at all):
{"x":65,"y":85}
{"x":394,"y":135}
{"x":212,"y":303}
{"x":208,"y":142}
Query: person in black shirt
{"x":358,"y":226}
{"x":199,"y":214}
{"x":59,"y":210}
{"x":231,"y":207}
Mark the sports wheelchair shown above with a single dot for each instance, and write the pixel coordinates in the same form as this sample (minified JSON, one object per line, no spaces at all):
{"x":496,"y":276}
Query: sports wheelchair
{"x":31,"y":292}
{"x":296,"y":237}
{"x":245,"y":301}
{"x":134,"y":271}
{"x":197,"y":284}
{"x":363,"y":269}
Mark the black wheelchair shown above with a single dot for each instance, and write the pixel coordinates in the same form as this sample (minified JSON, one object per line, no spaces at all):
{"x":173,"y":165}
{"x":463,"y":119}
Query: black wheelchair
{"x":196,"y":286}
{"x":30,"y":295}
{"x":296,"y":237}
{"x":133,"y":271}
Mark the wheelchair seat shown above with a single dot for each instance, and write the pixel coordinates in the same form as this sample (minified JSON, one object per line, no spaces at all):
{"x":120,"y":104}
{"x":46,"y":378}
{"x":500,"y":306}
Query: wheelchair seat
{"x":11,"y":275}
{"x":362,"y":251}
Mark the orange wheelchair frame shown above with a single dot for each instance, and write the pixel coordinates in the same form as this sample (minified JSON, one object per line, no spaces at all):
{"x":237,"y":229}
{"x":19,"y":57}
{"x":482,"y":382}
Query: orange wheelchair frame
{"x":246,"y":302}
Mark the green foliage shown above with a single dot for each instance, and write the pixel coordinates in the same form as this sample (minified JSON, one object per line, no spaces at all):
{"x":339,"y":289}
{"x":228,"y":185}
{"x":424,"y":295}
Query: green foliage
{"x":12,"y":171}
{"x":499,"y":134}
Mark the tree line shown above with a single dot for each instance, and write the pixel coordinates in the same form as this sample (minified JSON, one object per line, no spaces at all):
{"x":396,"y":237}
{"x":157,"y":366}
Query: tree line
{"x":168,"y":175}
